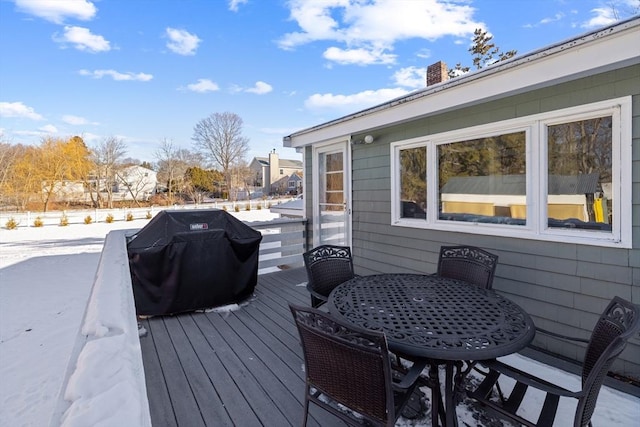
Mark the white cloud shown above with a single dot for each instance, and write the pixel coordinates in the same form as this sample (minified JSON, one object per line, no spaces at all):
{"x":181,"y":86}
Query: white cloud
{"x":557,"y":17}
{"x":203,"y":86}
{"x":57,"y":11}
{"x":374,"y":27}
{"x":413,"y":77}
{"x":18,"y":109}
{"x":116,"y":75}
{"x":75,"y":120}
{"x":82,"y":39}
{"x":359,"y":56}
{"x":32,"y":133}
{"x":425,"y":53}
{"x":350,"y":103}
{"x":603,"y":16}
{"x":260,"y":88}
{"x":182,"y":42}
{"x":234,"y":4}
{"x":49,"y":129}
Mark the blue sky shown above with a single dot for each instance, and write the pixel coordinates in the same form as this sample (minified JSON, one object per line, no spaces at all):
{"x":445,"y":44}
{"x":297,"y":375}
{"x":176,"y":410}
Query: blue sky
{"x":144,"y":70}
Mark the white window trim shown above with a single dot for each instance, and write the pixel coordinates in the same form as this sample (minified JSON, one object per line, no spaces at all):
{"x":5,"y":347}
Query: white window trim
{"x":536,"y":160}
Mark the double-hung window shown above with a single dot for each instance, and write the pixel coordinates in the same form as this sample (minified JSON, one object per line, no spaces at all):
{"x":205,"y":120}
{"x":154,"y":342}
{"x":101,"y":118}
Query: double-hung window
{"x":561,"y":176}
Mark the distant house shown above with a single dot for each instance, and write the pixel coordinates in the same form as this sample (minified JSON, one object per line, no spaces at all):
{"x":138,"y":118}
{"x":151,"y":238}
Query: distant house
{"x":536,"y":158}
{"x":135,"y":182}
{"x":130,"y":183}
{"x":276,"y":176}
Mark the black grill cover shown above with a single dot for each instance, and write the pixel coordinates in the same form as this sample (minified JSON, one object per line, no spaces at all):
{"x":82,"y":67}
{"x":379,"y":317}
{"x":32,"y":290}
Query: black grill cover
{"x":192,"y":259}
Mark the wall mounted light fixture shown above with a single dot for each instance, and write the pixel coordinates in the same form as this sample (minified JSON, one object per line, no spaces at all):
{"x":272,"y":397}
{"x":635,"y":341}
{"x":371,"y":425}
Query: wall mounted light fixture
{"x":368,"y":139}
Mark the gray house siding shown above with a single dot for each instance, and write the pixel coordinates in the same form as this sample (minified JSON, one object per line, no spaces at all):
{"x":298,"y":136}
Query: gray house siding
{"x":564,"y":287}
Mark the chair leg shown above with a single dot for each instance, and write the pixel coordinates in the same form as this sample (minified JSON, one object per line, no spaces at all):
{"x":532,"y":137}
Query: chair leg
{"x":306,"y":409}
{"x":316,"y":302}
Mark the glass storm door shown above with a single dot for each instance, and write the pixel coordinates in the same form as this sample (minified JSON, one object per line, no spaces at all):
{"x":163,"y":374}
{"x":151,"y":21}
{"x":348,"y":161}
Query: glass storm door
{"x":332,"y":210}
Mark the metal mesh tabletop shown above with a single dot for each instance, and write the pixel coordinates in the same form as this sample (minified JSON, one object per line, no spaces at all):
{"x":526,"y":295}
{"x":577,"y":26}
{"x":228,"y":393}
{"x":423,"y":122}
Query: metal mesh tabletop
{"x":434,"y":317}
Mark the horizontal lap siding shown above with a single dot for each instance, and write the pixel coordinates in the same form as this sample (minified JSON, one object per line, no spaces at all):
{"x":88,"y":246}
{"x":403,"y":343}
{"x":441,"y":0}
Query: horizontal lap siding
{"x":563,"y":286}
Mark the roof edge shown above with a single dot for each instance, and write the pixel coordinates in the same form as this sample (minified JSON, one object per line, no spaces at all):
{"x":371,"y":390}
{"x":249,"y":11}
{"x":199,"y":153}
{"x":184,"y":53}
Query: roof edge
{"x":526,"y":58}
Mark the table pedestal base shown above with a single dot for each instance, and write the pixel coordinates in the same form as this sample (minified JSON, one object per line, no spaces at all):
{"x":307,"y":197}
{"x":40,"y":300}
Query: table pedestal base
{"x":443,"y":407}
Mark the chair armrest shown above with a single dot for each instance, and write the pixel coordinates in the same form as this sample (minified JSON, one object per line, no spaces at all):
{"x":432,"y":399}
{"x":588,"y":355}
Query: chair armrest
{"x":530,"y":379}
{"x":412,"y":375}
{"x":564,"y":337}
{"x":316,"y":294}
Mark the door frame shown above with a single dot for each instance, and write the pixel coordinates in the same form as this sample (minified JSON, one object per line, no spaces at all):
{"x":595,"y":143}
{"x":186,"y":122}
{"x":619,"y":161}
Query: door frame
{"x":339,"y":144}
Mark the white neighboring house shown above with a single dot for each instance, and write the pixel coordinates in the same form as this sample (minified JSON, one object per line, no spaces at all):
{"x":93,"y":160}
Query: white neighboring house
{"x":130,"y":183}
{"x":135,"y":183}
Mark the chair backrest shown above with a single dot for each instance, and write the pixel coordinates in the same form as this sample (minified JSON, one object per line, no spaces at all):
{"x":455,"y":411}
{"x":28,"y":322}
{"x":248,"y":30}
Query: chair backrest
{"x":619,"y":322}
{"x":348,"y":364}
{"x":327,"y":267}
{"x":468,"y":263}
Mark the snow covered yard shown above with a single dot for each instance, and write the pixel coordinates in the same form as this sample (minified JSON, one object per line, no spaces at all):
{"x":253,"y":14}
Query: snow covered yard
{"x":46,"y":276}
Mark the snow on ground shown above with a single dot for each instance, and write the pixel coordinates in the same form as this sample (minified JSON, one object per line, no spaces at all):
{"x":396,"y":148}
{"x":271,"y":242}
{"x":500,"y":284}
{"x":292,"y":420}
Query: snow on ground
{"x":46,"y":276}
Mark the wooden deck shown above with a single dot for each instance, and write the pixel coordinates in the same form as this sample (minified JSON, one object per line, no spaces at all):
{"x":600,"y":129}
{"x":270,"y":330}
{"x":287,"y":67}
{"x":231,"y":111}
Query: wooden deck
{"x":242,"y":368}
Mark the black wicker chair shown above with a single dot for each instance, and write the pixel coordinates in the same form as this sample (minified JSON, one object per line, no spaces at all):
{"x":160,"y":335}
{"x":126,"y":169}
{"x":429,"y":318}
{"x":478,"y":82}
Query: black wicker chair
{"x":351,"y":366}
{"x":619,"y":321}
{"x":472,"y":265}
{"x":327,"y":267}
{"x":468,"y":263}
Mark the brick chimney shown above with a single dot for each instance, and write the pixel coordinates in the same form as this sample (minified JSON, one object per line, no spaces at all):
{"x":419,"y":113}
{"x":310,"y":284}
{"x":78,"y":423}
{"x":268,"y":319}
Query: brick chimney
{"x":437,"y":73}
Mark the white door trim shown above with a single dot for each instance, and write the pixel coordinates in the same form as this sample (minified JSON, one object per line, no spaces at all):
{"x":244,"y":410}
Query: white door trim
{"x":341,"y":144}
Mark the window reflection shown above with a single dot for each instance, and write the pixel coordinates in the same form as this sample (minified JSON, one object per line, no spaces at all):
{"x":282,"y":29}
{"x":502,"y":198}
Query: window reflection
{"x":484,"y":179}
{"x":580,"y":174}
{"x":413,"y":183}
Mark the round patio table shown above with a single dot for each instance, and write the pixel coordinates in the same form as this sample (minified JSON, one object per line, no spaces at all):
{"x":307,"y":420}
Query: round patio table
{"x":433,"y":317}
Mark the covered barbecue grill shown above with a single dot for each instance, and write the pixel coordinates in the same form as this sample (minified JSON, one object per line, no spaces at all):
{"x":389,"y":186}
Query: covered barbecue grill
{"x":192,"y":259}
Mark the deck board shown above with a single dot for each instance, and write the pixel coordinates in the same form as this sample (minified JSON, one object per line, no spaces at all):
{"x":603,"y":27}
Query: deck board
{"x":242,"y":368}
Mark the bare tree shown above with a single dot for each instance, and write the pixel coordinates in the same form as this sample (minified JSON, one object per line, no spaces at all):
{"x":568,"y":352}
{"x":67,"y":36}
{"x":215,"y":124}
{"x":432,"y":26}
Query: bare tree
{"x":173,"y":163}
{"x":9,"y":156}
{"x":107,"y":157}
{"x":624,"y":9}
{"x":219,"y":139}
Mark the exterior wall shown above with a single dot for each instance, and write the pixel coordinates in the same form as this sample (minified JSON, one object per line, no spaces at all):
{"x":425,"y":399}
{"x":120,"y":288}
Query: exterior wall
{"x":563,"y":286}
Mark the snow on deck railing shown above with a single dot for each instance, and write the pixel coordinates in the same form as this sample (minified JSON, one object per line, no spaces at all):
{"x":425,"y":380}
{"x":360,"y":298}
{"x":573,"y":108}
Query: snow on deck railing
{"x":105,"y":383}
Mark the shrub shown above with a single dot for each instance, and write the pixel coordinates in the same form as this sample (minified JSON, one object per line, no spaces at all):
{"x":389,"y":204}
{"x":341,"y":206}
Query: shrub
{"x":237,"y":208}
{"x":38,"y":222}
{"x":247,"y":207}
{"x":259,"y":206}
{"x":88,"y":219}
{"x":148,"y":215}
{"x":64,"y":220}
{"x":109,"y":219}
{"x":224,"y":208}
{"x":129,"y":216}
{"x":11,"y":224}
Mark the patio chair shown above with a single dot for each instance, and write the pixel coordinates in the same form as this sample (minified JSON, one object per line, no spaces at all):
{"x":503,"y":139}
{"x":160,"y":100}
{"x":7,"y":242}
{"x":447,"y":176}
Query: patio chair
{"x":327,"y":267}
{"x":468,"y":263}
{"x":619,"y":322}
{"x":350,"y":366}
